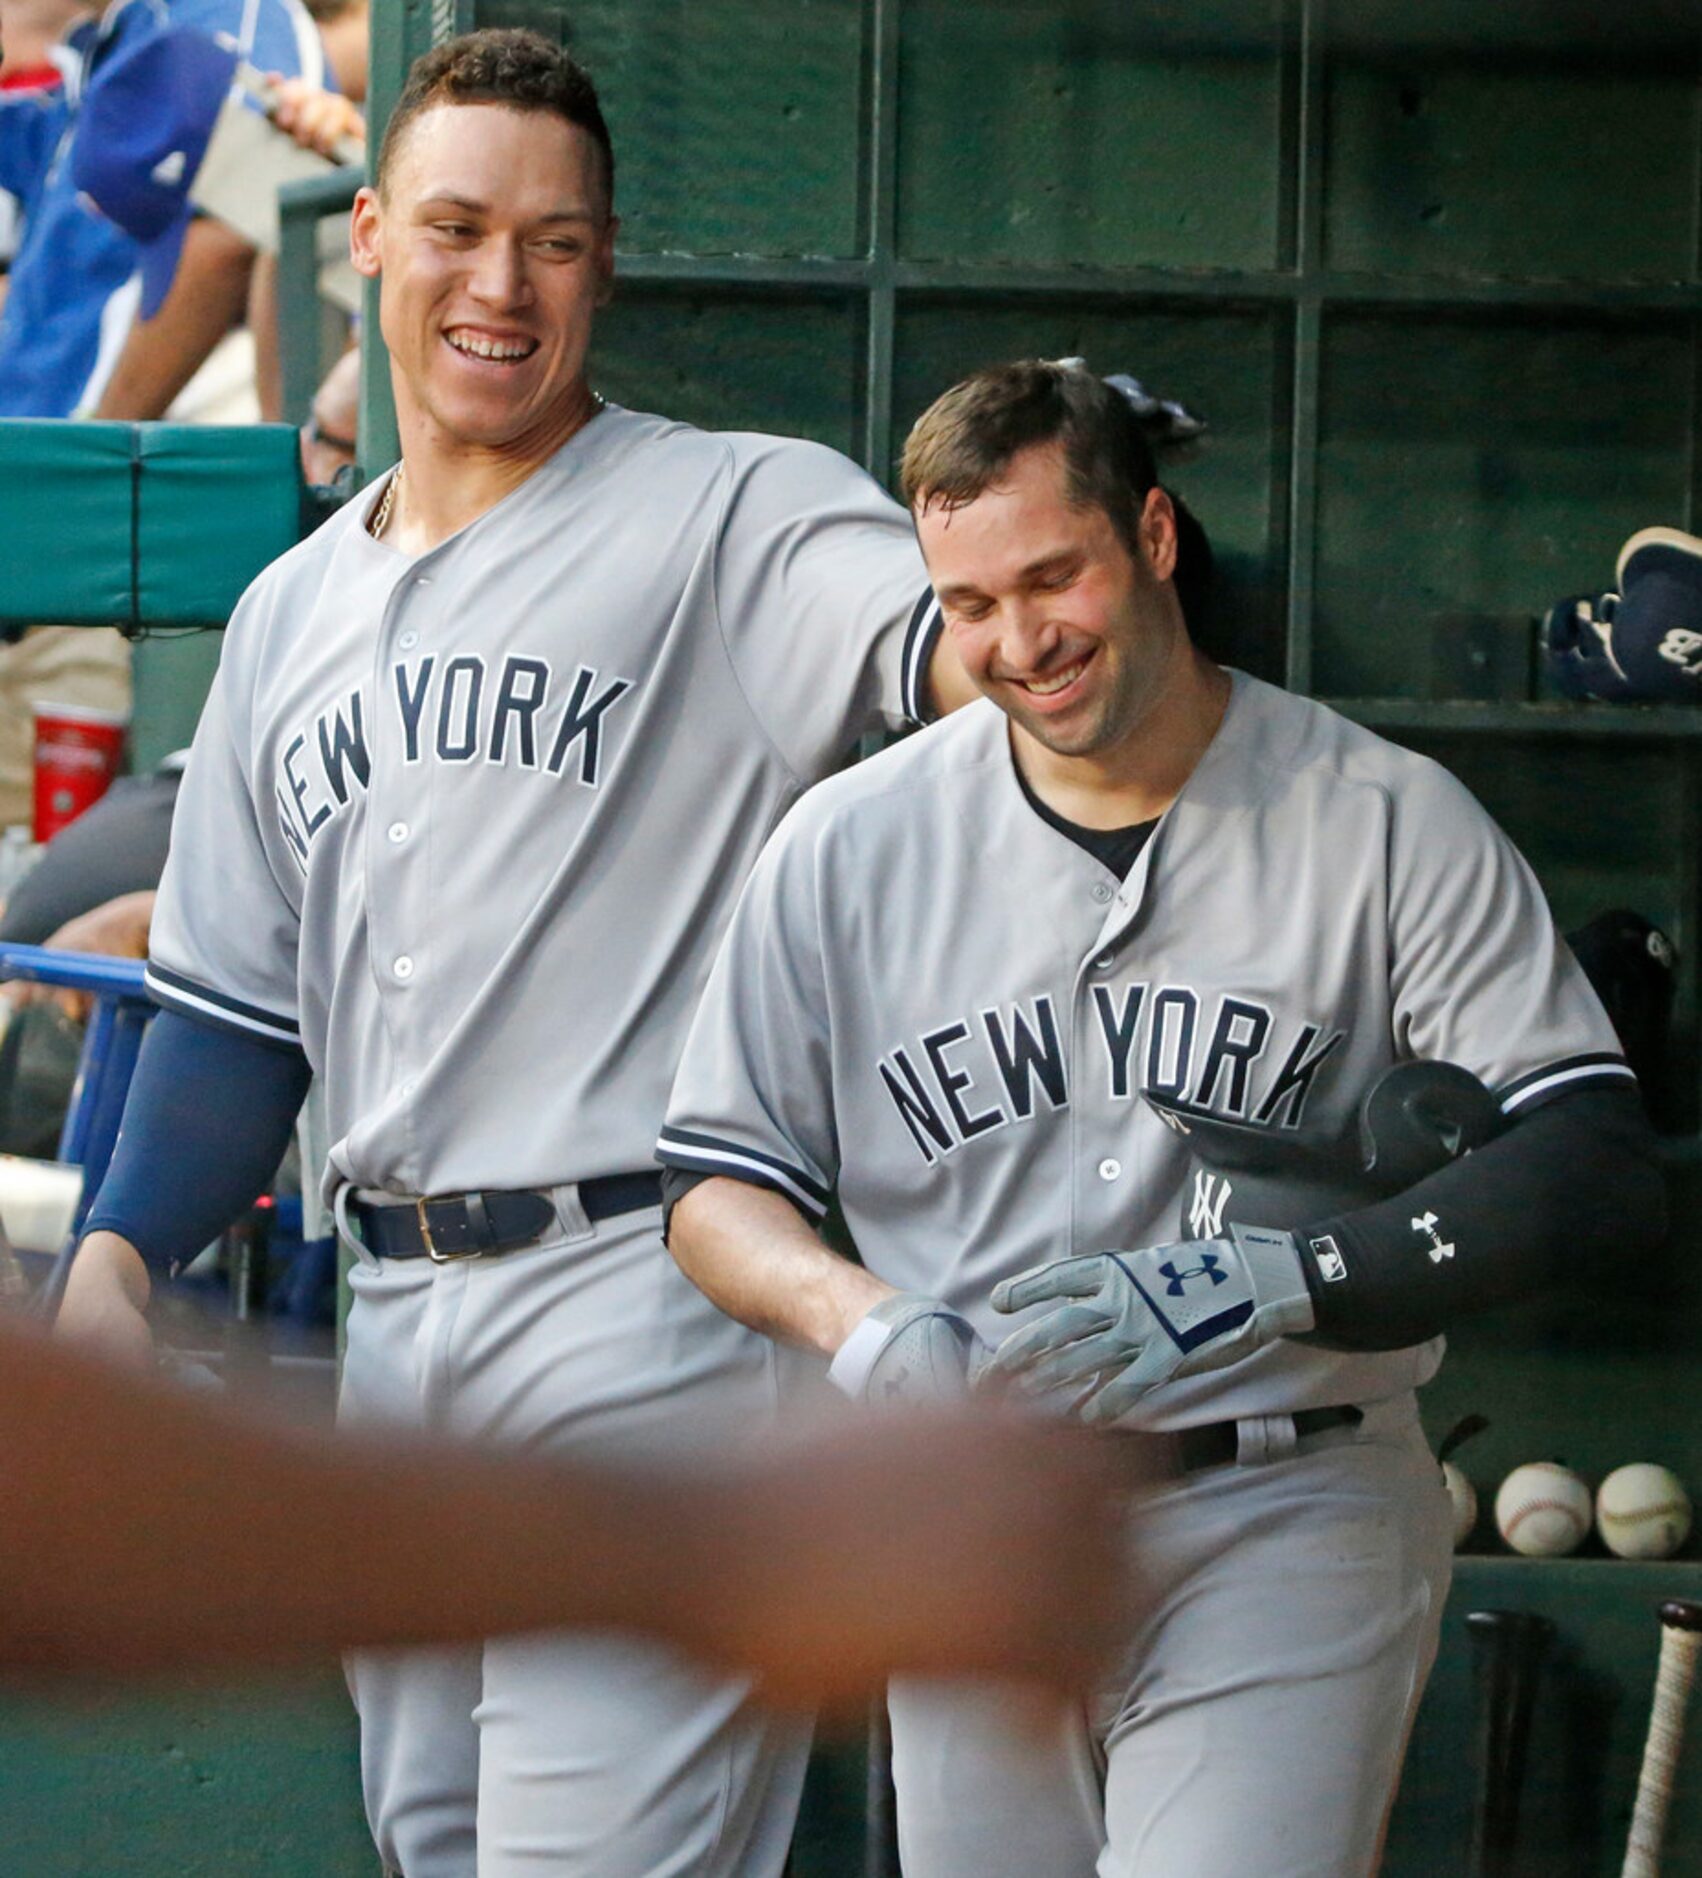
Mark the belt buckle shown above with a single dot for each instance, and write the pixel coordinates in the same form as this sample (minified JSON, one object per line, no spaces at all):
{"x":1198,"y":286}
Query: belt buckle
{"x":432,"y":1253}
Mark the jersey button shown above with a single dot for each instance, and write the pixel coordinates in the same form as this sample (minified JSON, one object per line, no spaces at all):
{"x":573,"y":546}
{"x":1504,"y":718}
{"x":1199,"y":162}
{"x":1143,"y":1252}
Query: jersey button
{"x":1110,"y":1169}
{"x":397,"y":831}
{"x":408,"y":640}
{"x":403,"y":968}
{"x":1101,"y":892}
{"x":1104,"y":964}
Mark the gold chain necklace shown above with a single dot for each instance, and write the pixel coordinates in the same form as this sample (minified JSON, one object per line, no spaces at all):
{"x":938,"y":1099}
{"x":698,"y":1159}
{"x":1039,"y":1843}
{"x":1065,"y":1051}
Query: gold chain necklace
{"x":381,"y":517}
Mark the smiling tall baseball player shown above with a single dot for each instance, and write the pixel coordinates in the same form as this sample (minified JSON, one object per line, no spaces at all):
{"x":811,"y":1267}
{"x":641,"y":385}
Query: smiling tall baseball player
{"x":1188,"y":1056}
{"x":486,"y":761}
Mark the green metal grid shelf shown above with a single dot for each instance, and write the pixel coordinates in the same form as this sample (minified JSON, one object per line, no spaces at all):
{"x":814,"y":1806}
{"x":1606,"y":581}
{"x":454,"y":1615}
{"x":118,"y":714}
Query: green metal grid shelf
{"x":1659,"y":723}
{"x":1274,"y":286}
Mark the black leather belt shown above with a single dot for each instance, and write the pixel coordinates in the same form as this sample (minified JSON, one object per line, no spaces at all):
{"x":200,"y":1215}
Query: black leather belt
{"x":1218,"y":1443}
{"x":476,"y":1225}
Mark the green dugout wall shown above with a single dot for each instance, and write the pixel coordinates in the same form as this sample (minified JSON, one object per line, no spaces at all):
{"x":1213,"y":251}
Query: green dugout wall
{"x":1431,"y":272}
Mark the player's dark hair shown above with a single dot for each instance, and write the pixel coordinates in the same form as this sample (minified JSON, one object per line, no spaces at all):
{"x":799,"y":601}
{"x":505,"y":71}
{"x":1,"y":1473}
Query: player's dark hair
{"x":501,"y":65}
{"x":961,"y":445}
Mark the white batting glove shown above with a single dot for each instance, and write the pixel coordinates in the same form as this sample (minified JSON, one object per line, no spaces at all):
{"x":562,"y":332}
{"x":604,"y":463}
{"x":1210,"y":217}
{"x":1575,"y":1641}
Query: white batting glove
{"x":1136,"y":1319}
{"x":908,"y":1349}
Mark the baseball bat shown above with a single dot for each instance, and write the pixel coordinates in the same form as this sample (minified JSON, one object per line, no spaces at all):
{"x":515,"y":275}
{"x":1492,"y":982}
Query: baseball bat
{"x":880,"y":1840}
{"x":1508,"y":1649}
{"x":1681,"y":1641}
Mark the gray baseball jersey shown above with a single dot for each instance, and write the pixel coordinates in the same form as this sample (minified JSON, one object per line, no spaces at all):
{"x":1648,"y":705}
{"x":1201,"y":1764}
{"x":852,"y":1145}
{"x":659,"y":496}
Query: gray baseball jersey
{"x":468,"y":825}
{"x":934,"y":999}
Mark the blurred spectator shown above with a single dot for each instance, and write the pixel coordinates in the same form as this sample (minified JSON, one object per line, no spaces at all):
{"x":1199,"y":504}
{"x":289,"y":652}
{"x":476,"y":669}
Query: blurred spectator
{"x":328,"y":436}
{"x":32,"y":33}
{"x":30,"y":51}
{"x":66,"y":332}
{"x":325,"y":121}
{"x":345,"y":30}
{"x":146,"y":120}
{"x":174,"y":155}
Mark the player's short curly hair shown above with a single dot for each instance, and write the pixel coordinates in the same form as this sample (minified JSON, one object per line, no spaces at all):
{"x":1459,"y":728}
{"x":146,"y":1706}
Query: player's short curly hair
{"x":961,"y":444}
{"x":959,"y":447}
{"x":501,"y":65}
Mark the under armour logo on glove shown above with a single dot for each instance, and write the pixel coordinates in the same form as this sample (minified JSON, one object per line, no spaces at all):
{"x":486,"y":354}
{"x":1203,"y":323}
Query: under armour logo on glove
{"x":1113,"y":1337}
{"x":1210,"y":1267}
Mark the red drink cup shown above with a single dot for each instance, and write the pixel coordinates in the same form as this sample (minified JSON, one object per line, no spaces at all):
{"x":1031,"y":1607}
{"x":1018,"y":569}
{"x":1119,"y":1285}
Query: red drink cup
{"x":77,"y":753}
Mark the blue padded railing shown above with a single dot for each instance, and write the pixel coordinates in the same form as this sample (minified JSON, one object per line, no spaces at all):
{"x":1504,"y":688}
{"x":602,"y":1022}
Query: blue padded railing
{"x":117,"y":1023}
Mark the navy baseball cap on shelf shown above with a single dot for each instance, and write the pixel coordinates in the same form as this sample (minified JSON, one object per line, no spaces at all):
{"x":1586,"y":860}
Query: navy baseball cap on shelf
{"x":145,"y":124}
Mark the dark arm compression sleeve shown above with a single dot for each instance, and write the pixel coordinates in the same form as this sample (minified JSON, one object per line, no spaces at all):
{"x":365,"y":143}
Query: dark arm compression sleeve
{"x":1575,"y":1183}
{"x":205,"y":1125}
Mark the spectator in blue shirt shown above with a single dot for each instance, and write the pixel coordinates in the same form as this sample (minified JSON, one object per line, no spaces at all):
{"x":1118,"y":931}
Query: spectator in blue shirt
{"x":68,"y":327}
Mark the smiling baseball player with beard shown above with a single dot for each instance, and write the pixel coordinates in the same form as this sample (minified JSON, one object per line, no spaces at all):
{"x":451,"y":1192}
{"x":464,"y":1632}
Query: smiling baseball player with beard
{"x":1007,"y":987}
{"x":485,"y":763}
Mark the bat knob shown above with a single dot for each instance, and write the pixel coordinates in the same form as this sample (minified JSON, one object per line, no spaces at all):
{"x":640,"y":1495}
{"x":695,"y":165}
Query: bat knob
{"x":1528,"y":1627}
{"x":1681,"y":1614}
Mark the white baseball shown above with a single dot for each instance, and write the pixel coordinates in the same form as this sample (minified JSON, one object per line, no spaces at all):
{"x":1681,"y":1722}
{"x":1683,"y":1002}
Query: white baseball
{"x":1462,"y":1497}
{"x":1543,"y":1510}
{"x":1643,"y":1511}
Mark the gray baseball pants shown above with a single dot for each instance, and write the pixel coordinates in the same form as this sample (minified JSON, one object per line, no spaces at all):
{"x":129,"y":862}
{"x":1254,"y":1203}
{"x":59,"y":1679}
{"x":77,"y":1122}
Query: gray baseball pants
{"x":1257,"y":1718}
{"x":580,"y":1756}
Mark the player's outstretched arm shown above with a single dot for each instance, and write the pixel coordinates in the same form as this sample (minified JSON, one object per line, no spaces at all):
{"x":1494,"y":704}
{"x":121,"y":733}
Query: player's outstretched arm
{"x":205,"y":300}
{"x":752,"y":1253}
{"x":146,"y":1529}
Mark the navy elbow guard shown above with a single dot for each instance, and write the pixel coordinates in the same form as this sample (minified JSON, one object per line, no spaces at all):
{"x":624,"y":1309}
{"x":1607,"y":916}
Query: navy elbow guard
{"x":1566,"y":1189}
{"x":206,"y":1123}
{"x":1417,"y":1118}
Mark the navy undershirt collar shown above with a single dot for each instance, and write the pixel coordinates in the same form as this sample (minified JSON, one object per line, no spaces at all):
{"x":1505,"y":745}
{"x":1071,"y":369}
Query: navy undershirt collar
{"x":1115,"y":848}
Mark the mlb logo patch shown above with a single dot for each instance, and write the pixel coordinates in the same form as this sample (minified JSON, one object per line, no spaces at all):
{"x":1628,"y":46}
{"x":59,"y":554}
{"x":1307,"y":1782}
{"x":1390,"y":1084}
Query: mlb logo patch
{"x":1331,"y":1265}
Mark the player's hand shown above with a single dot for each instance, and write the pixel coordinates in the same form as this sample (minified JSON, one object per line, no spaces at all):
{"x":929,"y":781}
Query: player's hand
{"x":317,"y":119}
{"x":1130,"y":1321}
{"x":908,"y":1349}
{"x":933,"y":1544}
{"x":106,"y":1297}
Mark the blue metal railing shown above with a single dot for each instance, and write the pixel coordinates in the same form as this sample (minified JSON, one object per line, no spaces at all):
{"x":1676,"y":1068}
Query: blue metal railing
{"x":117,"y":1022}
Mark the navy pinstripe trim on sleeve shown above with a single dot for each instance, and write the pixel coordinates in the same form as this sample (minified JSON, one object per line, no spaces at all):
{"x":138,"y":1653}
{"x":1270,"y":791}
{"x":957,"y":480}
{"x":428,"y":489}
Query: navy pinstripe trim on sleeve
{"x":1599,"y":1070}
{"x":920,"y":638}
{"x":178,"y":993}
{"x":709,"y":1154}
